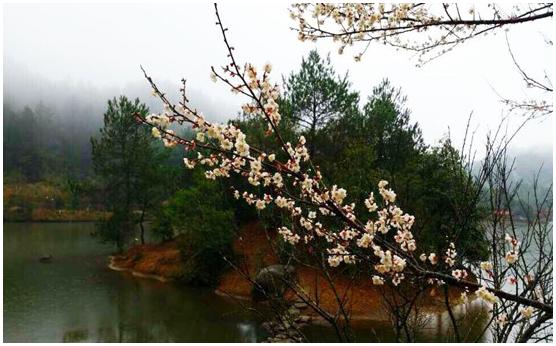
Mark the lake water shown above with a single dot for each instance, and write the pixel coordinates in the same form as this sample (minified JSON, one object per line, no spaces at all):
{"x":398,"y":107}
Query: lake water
{"x":77,"y":298}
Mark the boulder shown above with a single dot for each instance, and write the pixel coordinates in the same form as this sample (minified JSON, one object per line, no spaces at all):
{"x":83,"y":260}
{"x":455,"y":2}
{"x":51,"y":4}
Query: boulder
{"x":271,"y":282}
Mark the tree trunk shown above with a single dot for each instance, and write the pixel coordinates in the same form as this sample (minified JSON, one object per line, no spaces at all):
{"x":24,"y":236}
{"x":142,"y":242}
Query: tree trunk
{"x":141,"y":225}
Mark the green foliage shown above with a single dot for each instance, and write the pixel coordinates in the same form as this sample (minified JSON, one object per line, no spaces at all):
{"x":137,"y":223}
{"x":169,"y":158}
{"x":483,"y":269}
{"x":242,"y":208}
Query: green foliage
{"x":314,"y":96}
{"x":394,"y":139}
{"x":129,"y":166}
{"x":357,"y":148}
{"x":447,"y":203}
{"x":162,"y":227}
{"x":204,"y":223}
{"x":76,"y":189}
{"x":110,"y":229}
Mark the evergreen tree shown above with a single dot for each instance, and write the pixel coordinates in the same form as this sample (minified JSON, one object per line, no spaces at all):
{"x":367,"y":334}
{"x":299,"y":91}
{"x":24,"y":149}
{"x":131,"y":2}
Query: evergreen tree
{"x":126,"y":160}
{"x":380,"y":142}
{"x":395,"y":140}
{"x":316,"y":95}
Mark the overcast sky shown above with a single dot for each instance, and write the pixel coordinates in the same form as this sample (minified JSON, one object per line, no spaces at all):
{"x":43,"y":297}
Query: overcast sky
{"x":103,"y":45}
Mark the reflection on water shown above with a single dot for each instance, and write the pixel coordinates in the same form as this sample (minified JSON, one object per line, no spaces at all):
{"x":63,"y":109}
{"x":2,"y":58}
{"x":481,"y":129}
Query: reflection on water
{"x":471,"y":319}
{"x":247,"y":331}
{"x":76,"y":298}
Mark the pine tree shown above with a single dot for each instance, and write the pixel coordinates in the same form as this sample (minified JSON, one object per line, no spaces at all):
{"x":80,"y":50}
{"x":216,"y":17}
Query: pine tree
{"x":317,"y":95}
{"x":125,"y":159}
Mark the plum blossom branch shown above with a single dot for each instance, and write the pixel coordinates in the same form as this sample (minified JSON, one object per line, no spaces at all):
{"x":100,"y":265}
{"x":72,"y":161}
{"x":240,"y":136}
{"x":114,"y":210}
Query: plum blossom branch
{"x":394,"y":24}
{"x":383,"y":241}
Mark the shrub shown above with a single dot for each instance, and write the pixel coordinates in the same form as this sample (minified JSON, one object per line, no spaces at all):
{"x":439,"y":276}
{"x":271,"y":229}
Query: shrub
{"x":205,"y":223}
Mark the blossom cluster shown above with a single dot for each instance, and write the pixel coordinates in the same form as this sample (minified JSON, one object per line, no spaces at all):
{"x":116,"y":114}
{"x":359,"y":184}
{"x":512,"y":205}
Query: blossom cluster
{"x":161,"y":122}
{"x":513,"y":254}
{"x":265,"y":95}
{"x":442,"y":26}
{"x":451,"y":254}
{"x":289,"y":182}
{"x":486,"y":295}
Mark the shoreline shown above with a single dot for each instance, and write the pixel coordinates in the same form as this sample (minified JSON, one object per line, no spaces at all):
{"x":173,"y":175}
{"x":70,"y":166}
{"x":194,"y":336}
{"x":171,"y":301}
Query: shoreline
{"x":312,"y":317}
{"x":54,"y":215}
{"x":371,"y":313}
{"x":135,"y":273}
{"x":163,"y":262}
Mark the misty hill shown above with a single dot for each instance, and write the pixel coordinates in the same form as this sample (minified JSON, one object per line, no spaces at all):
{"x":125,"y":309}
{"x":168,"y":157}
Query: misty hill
{"x":533,"y":164}
{"x":48,"y":125}
{"x":85,"y":103}
{"x":69,"y":113}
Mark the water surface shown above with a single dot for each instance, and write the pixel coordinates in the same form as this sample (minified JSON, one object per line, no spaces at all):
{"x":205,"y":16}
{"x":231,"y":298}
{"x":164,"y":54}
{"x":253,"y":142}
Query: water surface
{"x":76,"y":298}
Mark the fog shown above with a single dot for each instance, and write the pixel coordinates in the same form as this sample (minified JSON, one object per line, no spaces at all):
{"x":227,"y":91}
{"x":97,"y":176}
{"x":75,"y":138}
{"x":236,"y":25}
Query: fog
{"x":78,"y":55}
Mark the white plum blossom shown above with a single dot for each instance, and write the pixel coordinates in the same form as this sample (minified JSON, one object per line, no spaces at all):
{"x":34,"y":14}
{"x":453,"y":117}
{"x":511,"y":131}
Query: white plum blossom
{"x":527,"y":312}
{"x":155,"y":132}
{"x":451,"y":255}
{"x":388,"y":195}
{"x":347,"y":234}
{"x":487,"y":266}
{"x":512,"y":255}
{"x":370,"y":203}
{"x":377,"y":280}
{"x":200,"y":137}
{"x":306,"y":223}
{"x":338,"y":254}
{"x":370,"y":227}
{"x":397,"y":278}
{"x":277,"y":180}
{"x":241,"y":145}
{"x":226,"y":144}
{"x":288,"y":235}
{"x":267,"y":68}
{"x":260,"y":204}
{"x":281,"y":202}
{"x":486,"y":295}
{"x":459,"y":274}
{"x":334,"y":261}
{"x":338,"y":195}
{"x":168,"y":140}
{"x":365,"y":241}
{"x":189,"y":163}
{"x":210,"y":175}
